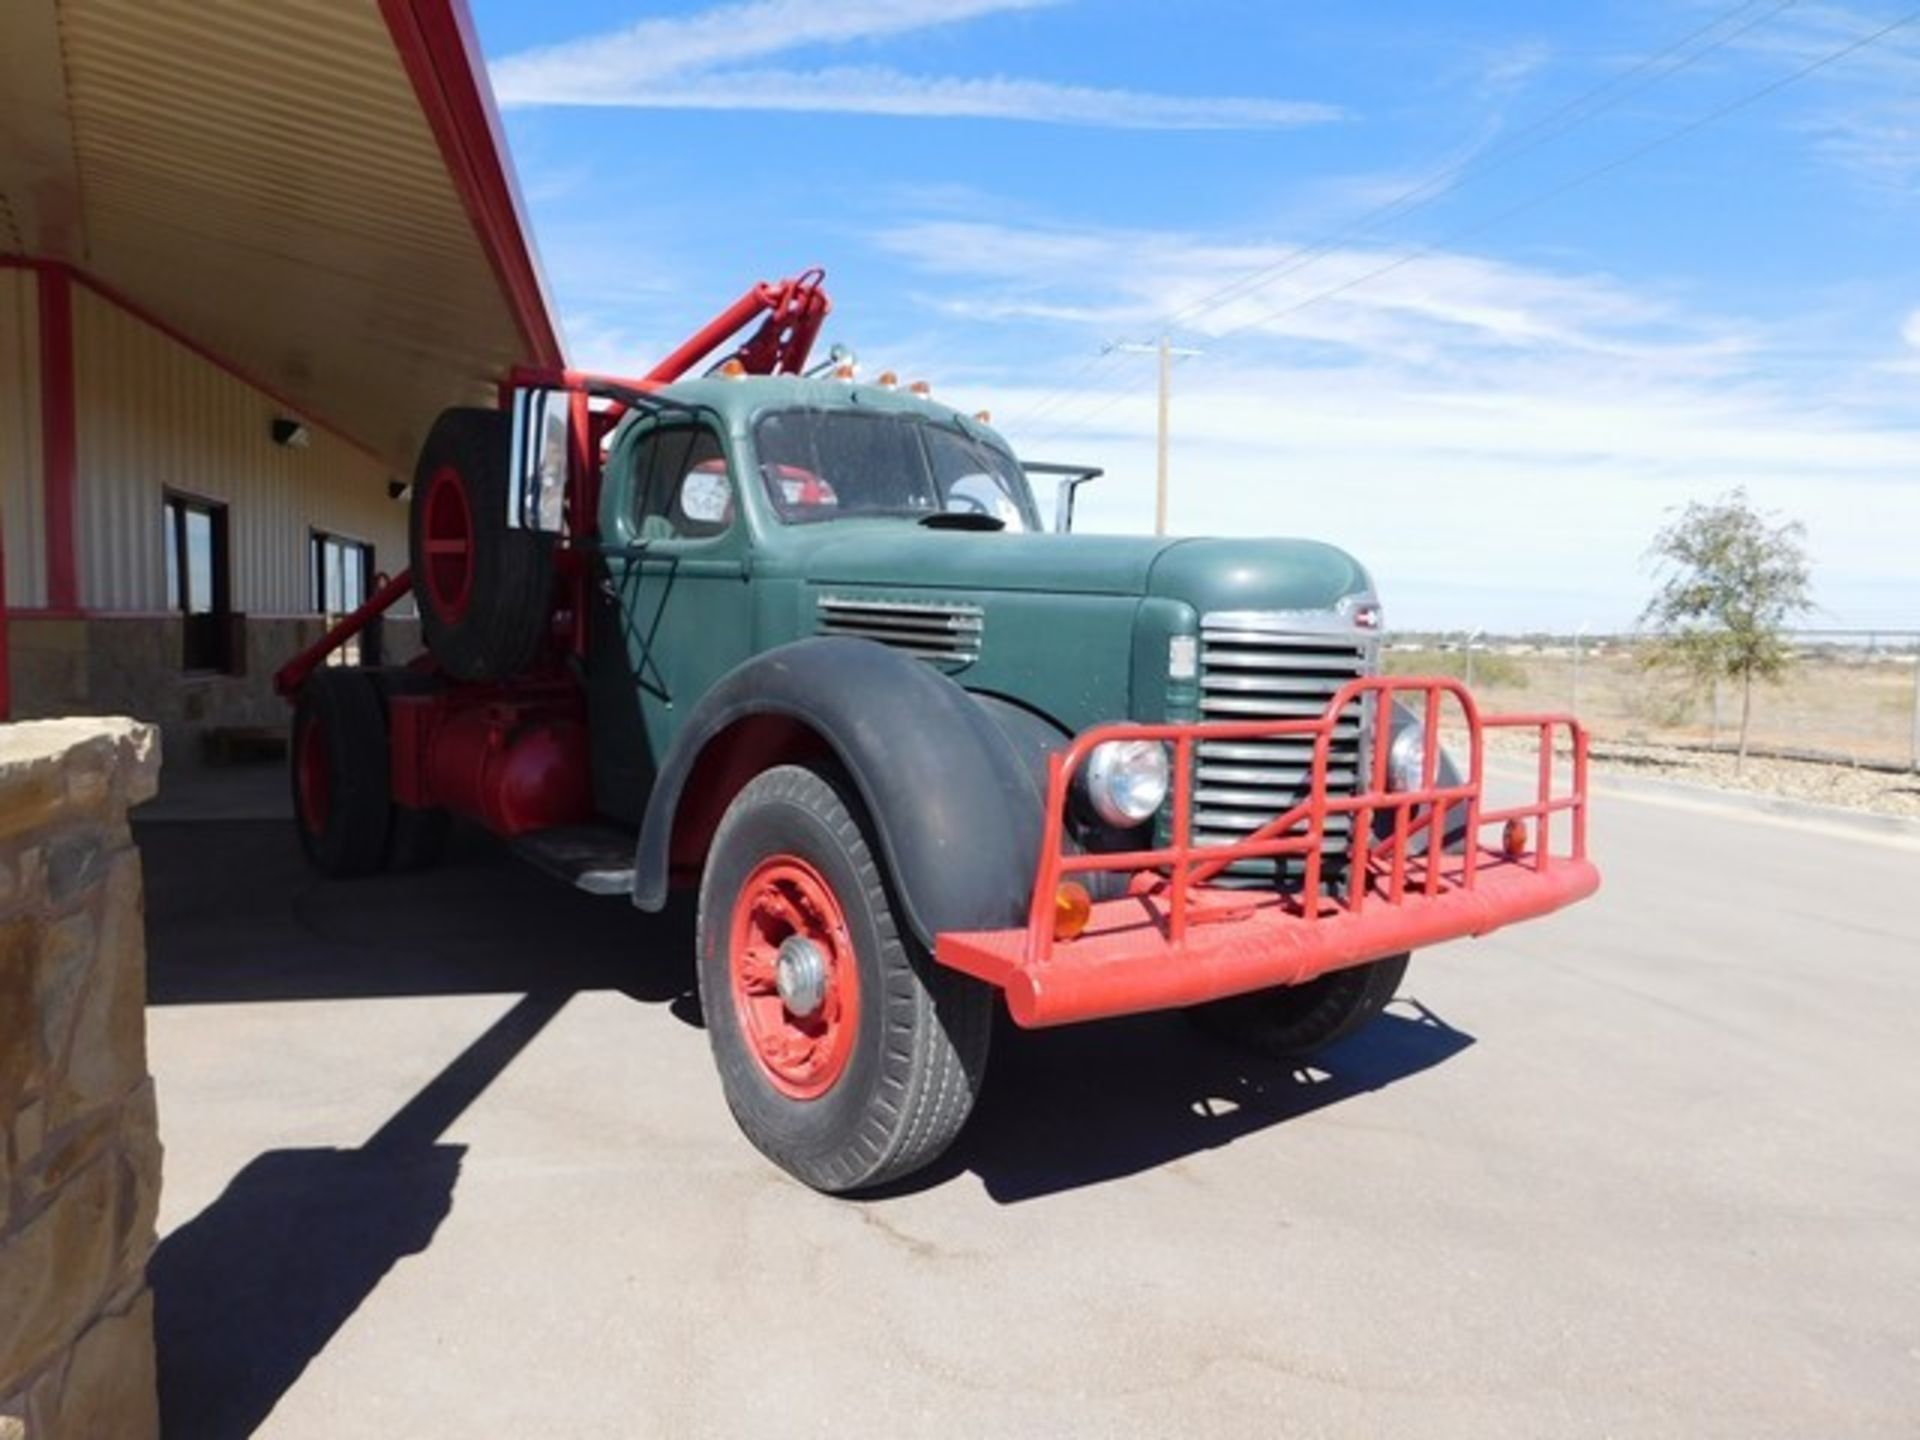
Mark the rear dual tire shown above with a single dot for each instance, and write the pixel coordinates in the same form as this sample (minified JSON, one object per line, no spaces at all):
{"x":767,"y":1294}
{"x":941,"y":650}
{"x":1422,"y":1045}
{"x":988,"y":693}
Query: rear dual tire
{"x":870,"y":1075}
{"x":343,"y":805}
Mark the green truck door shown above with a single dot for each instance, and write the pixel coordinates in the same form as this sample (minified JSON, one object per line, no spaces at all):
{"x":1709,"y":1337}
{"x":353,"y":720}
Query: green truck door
{"x":672,"y":611}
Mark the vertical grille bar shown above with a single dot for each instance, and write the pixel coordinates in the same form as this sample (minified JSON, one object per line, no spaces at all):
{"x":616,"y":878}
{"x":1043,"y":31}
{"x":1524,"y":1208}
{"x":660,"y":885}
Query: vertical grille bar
{"x":1277,"y":665}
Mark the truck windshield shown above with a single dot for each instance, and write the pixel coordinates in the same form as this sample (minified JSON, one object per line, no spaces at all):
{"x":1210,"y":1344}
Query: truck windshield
{"x":836,"y":464}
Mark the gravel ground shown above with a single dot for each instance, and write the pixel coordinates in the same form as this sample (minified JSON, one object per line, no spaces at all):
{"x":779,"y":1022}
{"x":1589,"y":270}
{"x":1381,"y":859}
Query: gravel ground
{"x":1848,"y":786}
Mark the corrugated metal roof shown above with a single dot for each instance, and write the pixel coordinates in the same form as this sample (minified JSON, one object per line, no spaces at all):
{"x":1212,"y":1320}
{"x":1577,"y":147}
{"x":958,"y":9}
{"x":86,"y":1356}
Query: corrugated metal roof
{"x":262,"y":178}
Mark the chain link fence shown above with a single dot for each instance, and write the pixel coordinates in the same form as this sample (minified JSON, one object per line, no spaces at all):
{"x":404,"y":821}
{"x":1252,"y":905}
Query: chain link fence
{"x":1851,"y":697}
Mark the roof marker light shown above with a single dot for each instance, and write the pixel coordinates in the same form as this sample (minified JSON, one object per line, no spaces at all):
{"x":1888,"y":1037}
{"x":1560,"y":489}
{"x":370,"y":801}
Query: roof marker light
{"x":922,"y":389}
{"x":985,"y":417}
{"x":887,"y":380}
{"x":733,"y":369}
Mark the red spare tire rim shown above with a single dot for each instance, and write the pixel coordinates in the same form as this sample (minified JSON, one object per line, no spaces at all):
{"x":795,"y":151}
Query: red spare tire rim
{"x":796,"y":986}
{"x":446,"y":536}
{"x":312,"y":773}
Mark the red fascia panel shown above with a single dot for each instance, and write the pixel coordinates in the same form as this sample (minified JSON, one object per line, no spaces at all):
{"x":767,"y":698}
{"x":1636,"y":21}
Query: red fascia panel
{"x":441,"y":54}
{"x":58,"y":435}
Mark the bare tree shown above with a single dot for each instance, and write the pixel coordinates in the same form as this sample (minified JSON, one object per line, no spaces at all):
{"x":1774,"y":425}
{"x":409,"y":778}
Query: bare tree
{"x":1731,"y":578}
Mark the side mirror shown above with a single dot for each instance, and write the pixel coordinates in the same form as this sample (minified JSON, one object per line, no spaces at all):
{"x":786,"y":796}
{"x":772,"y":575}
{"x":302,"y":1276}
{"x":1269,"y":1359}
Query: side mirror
{"x":537,"y":467}
{"x":1071,"y":478}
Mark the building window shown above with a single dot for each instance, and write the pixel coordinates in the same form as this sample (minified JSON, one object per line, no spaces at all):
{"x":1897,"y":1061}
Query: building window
{"x":196,"y":546}
{"x":342,"y":582}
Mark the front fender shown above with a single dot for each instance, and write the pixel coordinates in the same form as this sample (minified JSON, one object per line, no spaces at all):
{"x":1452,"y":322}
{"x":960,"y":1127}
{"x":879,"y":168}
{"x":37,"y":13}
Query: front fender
{"x":952,"y":801}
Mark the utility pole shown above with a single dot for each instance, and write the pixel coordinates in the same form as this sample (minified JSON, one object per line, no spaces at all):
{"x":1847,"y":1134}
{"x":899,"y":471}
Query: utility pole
{"x":1167,"y":351}
{"x":1578,"y":636}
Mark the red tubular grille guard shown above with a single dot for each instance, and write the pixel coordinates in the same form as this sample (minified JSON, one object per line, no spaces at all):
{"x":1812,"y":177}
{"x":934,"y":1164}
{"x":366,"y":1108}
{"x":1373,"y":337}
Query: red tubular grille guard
{"x":1174,"y":940}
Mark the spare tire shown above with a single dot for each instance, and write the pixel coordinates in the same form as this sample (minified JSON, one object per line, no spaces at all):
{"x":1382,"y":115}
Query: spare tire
{"x":482,"y":587}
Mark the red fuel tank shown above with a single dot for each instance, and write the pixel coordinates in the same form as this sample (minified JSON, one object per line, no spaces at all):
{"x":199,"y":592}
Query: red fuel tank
{"x":513,"y":765}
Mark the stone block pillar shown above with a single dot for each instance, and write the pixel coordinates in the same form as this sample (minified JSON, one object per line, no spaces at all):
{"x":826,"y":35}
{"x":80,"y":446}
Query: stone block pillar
{"x":79,"y":1154}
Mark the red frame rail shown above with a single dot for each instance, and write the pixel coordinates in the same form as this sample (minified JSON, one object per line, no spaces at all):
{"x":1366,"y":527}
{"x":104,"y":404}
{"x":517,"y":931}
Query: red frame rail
{"x":1174,"y":939}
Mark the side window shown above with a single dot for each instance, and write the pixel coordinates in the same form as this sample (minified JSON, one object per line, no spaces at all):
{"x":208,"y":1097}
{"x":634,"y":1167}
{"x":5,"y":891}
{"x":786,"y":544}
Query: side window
{"x":687,"y":493}
{"x":971,"y":478}
{"x":196,"y":554}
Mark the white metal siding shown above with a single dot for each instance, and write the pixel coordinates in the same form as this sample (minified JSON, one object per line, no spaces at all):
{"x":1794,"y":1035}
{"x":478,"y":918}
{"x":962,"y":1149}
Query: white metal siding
{"x":153,"y":416}
{"x":21,"y":517}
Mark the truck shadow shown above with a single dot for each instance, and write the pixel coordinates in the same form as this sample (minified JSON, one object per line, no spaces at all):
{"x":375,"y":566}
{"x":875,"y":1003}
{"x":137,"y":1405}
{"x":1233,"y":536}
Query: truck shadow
{"x":1086,"y":1104}
{"x":249,"y":1291}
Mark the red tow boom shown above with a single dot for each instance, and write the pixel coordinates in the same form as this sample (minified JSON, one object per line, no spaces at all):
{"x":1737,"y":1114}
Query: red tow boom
{"x":1174,"y":940}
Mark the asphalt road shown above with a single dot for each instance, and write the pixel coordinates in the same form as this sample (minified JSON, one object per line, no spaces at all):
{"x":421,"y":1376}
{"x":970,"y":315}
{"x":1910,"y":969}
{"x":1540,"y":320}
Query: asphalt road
{"x":446,"y":1156}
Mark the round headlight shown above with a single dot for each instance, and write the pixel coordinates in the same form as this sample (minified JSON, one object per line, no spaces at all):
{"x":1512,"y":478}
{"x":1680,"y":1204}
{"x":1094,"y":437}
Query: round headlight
{"x":1406,"y":758}
{"x":1127,"y":780}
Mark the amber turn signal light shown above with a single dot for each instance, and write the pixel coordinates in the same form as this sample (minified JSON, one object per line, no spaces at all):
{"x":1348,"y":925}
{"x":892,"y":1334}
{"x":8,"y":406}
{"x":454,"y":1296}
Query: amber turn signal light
{"x":1513,"y":838}
{"x":1072,"y":908}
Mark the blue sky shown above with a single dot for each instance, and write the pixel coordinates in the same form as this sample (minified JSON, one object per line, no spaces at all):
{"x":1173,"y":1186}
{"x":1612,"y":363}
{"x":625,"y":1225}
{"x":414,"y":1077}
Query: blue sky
{"x":1428,"y":336}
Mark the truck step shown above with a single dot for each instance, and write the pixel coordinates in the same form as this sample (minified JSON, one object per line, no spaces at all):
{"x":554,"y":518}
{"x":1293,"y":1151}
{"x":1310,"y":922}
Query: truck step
{"x":594,"y":858}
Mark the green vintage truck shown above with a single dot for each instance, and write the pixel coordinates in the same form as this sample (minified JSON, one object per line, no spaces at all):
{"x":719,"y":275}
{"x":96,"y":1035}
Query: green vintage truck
{"x":807,"y":645}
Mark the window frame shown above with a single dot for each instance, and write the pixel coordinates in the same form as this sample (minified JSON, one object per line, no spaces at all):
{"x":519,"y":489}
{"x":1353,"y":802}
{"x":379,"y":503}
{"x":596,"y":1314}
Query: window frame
{"x":206,"y":636}
{"x":644,"y":466}
{"x":317,"y":541}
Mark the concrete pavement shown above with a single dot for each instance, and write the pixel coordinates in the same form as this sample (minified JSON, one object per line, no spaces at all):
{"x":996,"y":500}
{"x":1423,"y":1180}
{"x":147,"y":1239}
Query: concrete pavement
{"x":446,"y":1156}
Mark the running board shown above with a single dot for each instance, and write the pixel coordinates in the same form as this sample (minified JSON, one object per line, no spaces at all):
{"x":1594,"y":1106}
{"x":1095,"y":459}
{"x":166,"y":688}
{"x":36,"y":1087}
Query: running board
{"x":595,"y":858}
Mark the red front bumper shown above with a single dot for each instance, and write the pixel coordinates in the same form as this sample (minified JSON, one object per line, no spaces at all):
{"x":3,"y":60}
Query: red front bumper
{"x":1174,"y":940}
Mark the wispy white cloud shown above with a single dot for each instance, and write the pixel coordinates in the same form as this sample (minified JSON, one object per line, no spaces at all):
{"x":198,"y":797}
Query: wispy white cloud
{"x":608,"y":69}
{"x":1507,"y":69}
{"x":878,"y":90}
{"x":698,"y":62}
{"x":1866,"y":118}
{"x":1432,"y":306}
{"x":1463,"y":416}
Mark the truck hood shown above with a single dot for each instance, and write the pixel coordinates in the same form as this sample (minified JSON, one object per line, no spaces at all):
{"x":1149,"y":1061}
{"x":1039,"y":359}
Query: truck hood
{"x":1208,"y":574}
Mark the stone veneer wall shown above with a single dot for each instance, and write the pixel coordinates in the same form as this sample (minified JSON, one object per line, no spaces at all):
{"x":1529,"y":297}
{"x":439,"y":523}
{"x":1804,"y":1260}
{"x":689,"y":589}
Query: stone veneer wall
{"x":130,"y":665}
{"x":79,"y":1154}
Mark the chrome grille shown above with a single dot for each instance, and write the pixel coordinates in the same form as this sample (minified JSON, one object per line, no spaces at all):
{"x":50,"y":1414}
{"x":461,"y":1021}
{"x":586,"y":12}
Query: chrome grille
{"x":1275,"y":665}
{"x":932,"y":630}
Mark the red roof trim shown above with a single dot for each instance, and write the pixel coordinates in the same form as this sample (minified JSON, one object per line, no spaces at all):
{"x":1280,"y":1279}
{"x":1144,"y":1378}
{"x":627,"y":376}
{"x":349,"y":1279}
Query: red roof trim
{"x":437,"y":45}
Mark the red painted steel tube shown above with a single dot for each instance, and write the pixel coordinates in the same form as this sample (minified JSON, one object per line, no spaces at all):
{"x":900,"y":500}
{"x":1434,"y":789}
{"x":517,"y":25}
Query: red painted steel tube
{"x":58,"y":431}
{"x":1174,"y":952}
{"x":288,"y":679}
{"x":1125,"y":963}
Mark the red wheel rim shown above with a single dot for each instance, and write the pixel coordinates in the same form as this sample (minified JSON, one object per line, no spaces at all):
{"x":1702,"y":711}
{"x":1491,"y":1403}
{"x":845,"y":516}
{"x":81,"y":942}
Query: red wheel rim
{"x":313,"y":774}
{"x":447,"y":540}
{"x":784,"y":900}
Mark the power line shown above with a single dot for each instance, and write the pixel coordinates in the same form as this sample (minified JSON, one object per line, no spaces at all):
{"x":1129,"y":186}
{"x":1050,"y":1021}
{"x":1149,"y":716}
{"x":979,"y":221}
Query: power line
{"x":1522,"y":142}
{"x":1585,"y":177}
{"x":1575,"y":112}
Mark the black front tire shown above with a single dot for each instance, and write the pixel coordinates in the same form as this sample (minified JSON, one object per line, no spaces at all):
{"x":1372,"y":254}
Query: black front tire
{"x":919,"y":1047}
{"x":1290,"y":1023}
{"x":341,"y":799}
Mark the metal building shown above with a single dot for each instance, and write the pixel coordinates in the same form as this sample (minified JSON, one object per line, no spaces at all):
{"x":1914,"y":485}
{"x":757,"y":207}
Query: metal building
{"x":247,"y":252}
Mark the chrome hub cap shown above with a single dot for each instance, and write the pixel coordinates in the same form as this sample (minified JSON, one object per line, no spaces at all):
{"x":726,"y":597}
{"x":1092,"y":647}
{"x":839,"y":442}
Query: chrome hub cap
{"x":800,"y":975}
